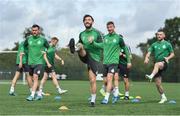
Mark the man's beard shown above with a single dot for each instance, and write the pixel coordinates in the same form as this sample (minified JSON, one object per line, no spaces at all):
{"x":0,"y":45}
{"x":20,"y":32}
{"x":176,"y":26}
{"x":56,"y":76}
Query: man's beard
{"x":89,"y":26}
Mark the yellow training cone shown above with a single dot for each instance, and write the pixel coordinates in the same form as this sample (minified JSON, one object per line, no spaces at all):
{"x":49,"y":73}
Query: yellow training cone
{"x":138,"y":97}
{"x":47,"y":94}
{"x":63,"y":108}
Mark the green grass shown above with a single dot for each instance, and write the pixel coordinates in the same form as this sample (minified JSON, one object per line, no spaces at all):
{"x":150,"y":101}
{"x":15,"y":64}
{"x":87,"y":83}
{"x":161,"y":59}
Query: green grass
{"x":76,"y":100}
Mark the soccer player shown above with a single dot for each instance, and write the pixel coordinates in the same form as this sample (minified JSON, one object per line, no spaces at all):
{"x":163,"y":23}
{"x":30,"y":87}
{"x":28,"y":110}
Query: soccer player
{"x":163,"y":52}
{"x":36,"y":45}
{"x":21,"y":66}
{"x":111,"y":49}
{"x":49,"y":56}
{"x":89,"y":54}
{"x":124,"y":70}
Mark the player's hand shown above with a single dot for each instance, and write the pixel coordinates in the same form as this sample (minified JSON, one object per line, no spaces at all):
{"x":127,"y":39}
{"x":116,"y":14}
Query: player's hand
{"x":129,"y":65}
{"x":166,"y":59}
{"x":79,"y":45}
{"x":49,"y":65}
{"x":146,"y":61}
{"x":62,"y":62}
{"x":20,"y":65}
{"x":120,"y":53}
{"x":90,"y":39}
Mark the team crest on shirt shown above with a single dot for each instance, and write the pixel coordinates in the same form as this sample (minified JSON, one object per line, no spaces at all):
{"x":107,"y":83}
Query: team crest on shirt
{"x":114,"y":40}
{"x":164,"y":46}
{"x":39,"y":42}
{"x":91,"y":37}
{"x":106,"y":40}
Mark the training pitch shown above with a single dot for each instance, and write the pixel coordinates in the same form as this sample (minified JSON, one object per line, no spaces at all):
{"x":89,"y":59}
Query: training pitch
{"x":76,"y":100}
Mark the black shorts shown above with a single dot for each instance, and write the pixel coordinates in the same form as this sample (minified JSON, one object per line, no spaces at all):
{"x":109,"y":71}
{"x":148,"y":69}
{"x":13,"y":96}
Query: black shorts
{"x":123,"y":70}
{"x":159,"y":73}
{"x":49,"y":70}
{"x":110,"y":68}
{"x":95,"y":66}
{"x":25,"y":68}
{"x":35,"y":69}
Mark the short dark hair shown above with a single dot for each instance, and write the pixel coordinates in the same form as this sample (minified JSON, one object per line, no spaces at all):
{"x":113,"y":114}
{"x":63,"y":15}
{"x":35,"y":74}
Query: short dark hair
{"x":110,"y":23}
{"x":54,"y":38}
{"x":160,"y":30}
{"x":35,"y":25}
{"x":87,"y":15}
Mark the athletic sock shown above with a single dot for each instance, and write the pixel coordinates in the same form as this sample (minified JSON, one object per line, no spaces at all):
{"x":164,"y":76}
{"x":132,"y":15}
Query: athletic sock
{"x":163,"y":96}
{"x":33,"y":93}
{"x":93,"y":98}
{"x":39,"y":93}
{"x":58,"y":88}
{"x":116,"y":91}
{"x":107,"y":96}
{"x":127,"y":93}
{"x":12,"y":89}
{"x":152,"y":75}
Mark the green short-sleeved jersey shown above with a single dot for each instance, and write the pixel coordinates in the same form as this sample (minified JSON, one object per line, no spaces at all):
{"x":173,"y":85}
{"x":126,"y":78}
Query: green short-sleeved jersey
{"x":111,"y":48}
{"x":160,"y":49}
{"x":20,"y":50}
{"x":36,"y":47}
{"x":94,"y":52}
{"x":51,"y":54}
{"x":123,"y":58}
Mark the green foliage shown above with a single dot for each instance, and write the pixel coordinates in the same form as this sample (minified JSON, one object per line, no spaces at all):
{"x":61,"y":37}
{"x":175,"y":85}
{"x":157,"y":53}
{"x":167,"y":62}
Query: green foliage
{"x":73,"y":67}
{"x":138,"y":70}
{"x":172,"y":31}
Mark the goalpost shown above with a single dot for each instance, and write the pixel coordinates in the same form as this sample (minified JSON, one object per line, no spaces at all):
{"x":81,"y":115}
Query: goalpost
{"x":23,"y":75}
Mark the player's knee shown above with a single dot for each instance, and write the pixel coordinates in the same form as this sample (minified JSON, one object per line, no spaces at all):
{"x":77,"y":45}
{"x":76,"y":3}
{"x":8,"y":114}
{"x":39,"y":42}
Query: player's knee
{"x":158,"y":83}
{"x":35,"y":77}
{"x":93,"y":80}
{"x":109,"y":78}
{"x":116,"y":78}
{"x":126,"y":82}
{"x":157,"y":65}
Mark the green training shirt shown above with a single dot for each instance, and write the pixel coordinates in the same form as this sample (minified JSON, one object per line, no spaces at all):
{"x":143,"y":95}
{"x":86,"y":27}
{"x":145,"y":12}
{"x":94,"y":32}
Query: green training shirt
{"x":36,"y":47}
{"x":160,"y":49}
{"x":51,"y":54}
{"x":94,"y":52}
{"x":111,"y":48}
{"x":123,"y":58}
{"x":20,"y":50}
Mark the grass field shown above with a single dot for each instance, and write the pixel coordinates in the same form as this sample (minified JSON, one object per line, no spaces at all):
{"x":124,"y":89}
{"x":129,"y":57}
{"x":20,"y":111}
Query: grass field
{"x":76,"y":101}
